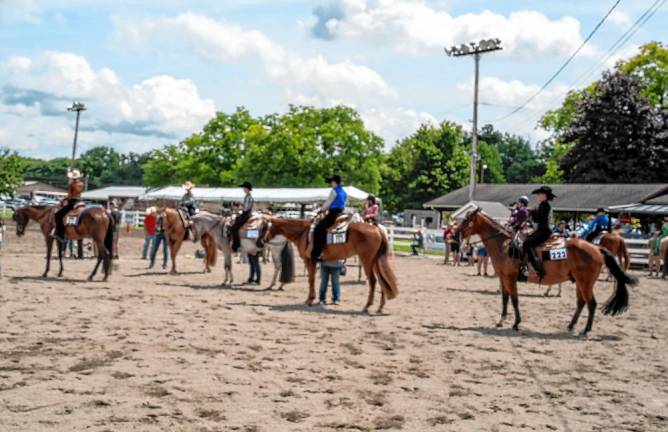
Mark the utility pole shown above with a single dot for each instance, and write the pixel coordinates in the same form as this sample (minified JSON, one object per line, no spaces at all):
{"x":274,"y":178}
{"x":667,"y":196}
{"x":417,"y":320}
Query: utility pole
{"x":77,"y":107}
{"x":476,"y":50}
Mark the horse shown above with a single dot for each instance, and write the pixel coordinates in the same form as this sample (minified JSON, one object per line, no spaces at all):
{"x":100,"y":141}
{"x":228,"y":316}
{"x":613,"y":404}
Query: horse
{"x":663,"y":252}
{"x":217,"y":229}
{"x":583,"y":263}
{"x":175,"y":231}
{"x":95,"y":223}
{"x":365,"y":240}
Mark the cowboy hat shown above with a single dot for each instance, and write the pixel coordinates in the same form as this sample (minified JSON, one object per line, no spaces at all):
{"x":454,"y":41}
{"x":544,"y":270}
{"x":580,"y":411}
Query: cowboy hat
{"x":335,"y":178}
{"x":188,"y":185}
{"x":544,"y":190}
{"x":371,"y":198}
{"x":150,"y":211}
{"x":246,"y":185}
{"x":74,"y":174}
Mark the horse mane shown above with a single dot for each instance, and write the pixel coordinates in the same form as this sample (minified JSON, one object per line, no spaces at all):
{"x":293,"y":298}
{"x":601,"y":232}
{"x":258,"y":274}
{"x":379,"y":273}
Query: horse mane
{"x":495,"y":224}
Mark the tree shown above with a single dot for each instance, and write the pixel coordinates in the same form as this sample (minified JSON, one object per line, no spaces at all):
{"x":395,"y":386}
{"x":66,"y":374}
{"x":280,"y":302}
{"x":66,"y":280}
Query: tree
{"x":100,"y":165}
{"x":430,"y":162}
{"x":11,"y":167}
{"x":519,"y":162}
{"x":650,"y":66}
{"x":53,"y":171}
{"x":617,"y":135}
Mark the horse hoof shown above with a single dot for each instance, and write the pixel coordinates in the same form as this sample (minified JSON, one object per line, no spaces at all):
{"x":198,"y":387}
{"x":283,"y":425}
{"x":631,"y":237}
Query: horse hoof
{"x":516,"y":327}
{"x":379,"y":311}
{"x":90,"y":278}
{"x":499,"y":324}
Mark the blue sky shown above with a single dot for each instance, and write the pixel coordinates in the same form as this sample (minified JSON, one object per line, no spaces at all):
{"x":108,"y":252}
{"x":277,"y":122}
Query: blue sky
{"x":154,"y":72}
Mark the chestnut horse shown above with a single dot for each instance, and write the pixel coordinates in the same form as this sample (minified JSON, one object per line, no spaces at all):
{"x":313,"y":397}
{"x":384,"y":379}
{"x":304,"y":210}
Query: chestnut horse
{"x":616,"y":244}
{"x":365,"y":240}
{"x":95,"y":223}
{"x":175,"y":231}
{"x":583,"y":263}
{"x":663,"y":252}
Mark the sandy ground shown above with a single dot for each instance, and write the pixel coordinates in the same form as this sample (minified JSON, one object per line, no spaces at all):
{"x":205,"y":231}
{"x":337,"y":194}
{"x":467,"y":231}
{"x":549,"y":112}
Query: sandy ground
{"x":149,"y":351}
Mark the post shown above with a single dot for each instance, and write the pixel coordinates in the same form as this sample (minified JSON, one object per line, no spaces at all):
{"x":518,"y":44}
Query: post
{"x":474,"y":132}
{"x":74,"y":145}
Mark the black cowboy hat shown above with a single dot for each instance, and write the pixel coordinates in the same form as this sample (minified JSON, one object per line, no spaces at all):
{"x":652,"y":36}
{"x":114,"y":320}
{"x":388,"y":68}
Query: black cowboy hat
{"x":600,"y":210}
{"x":246,"y":185}
{"x":545,"y":190}
{"x":335,"y":178}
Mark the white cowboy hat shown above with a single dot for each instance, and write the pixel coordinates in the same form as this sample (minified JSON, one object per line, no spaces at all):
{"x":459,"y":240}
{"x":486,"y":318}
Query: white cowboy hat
{"x":150,"y":211}
{"x":188,"y":185}
{"x":74,"y":174}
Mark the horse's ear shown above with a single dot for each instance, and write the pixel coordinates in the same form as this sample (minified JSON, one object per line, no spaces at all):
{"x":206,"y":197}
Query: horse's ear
{"x":476,"y":211}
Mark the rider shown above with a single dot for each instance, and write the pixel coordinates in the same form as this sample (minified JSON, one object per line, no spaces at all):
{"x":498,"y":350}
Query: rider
{"x":520,"y":214}
{"x":370,"y":212}
{"x":541,"y":217}
{"x":334,"y":206}
{"x":188,"y":200}
{"x":246,"y":213}
{"x":600,"y":223}
{"x":562,"y":229}
{"x":74,"y":190}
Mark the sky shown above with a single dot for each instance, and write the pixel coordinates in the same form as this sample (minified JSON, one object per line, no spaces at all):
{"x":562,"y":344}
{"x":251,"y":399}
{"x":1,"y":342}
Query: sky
{"x":153,"y":72}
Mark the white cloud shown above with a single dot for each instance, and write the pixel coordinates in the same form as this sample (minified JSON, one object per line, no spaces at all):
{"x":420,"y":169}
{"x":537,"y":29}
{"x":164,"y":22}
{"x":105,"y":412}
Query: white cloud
{"x":36,"y":91}
{"x":313,"y":78}
{"x":395,"y":123}
{"x":416,"y":26}
{"x":619,"y":19}
{"x":509,"y":94}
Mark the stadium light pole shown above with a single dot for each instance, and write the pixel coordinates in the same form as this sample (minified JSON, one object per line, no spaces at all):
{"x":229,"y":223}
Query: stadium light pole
{"x":476,"y":50}
{"x":77,"y":107}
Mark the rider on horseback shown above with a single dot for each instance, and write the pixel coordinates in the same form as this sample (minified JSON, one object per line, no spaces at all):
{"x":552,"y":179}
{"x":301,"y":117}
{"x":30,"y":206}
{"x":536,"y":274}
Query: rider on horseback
{"x":246,"y":213}
{"x":188,"y":200}
{"x":370,"y":212}
{"x":74,"y":190}
{"x":599,"y":224}
{"x":334,"y":206}
{"x":520,"y":214}
{"x":541,"y":218}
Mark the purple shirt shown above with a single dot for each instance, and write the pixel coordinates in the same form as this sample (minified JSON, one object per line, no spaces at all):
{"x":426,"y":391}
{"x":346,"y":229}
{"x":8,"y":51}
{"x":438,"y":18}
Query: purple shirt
{"x":518,"y":217}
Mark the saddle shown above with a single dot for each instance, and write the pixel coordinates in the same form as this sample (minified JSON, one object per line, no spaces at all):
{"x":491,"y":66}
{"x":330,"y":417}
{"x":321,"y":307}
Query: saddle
{"x":553,"y":249}
{"x":337,"y":233}
{"x":73,"y":217}
{"x":599,"y":237}
{"x":253,"y":227}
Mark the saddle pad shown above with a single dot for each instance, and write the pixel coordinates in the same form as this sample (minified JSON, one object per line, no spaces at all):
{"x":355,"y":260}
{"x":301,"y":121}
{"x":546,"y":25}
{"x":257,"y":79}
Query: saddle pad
{"x":598,"y":239}
{"x":337,"y":237}
{"x":559,"y":254}
{"x":250,"y":234}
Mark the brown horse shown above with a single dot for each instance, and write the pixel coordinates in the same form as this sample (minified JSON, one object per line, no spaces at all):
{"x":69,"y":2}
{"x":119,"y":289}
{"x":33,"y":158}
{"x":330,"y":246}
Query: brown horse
{"x":175,"y":231}
{"x":663,"y":252}
{"x":616,"y":244}
{"x":365,"y":240}
{"x":95,"y":223}
{"x":583,"y":263}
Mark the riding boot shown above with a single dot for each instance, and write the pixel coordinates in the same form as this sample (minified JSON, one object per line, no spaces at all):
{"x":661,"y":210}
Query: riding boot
{"x":55,"y":234}
{"x":536,"y":264}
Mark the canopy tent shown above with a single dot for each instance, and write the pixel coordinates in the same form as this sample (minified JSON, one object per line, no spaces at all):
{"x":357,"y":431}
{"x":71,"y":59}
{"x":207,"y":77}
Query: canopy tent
{"x":107,"y":193}
{"x":495,"y":210}
{"x":269,"y":195}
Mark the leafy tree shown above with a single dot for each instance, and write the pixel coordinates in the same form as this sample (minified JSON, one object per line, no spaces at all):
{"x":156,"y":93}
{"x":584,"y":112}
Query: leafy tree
{"x":617,"y":135}
{"x":650,"y":66}
{"x":430,"y":162}
{"x":99,"y":164}
{"x":53,"y":171}
{"x":519,"y":162}
{"x":11,"y":167}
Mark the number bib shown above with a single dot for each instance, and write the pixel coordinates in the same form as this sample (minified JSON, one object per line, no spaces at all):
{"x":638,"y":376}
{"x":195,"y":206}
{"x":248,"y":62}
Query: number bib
{"x":71,"y":220}
{"x":252,"y":234}
{"x":556,"y":254}
{"x":337,"y":237}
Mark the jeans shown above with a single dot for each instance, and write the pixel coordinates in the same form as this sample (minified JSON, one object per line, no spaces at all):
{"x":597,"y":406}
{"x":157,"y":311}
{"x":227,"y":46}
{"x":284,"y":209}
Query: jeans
{"x":325,"y":272}
{"x":159,"y":238}
{"x":255,"y":270}
{"x":148,"y":240}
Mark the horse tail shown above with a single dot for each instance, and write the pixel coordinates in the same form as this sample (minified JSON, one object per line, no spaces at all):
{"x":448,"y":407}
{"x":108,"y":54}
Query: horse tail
{"x":619,"y":301}
{"x":624,"y":255}
{"x":287,"y":264}
{"x":109,"y":238}
{"x":383,"y":269}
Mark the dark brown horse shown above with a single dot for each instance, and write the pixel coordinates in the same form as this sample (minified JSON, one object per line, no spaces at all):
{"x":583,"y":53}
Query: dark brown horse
{"x":175,"y":231}
{"x":583,"y":264}
{"x":94,"y":223}
{"x":365,"y":240}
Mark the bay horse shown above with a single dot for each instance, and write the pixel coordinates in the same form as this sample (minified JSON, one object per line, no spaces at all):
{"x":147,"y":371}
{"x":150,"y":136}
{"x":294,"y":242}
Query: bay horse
{"x":583,"y":263}
{"x":95,"y":223}
{"x":175,"y":232}
{"x":364,"y":240}
{"x":214,"y":227}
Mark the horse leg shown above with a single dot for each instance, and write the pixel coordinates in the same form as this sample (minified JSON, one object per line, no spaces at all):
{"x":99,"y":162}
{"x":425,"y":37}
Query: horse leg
{"x":504,"y":304}
{"x":382,"y":301}
{"x":174,"y":247}
{"x":591,"y":305}
{"x":97,"y":264}
{"x":578,"y":310}
{"x":547,"y":292}
{"x":49,"y":248}
{"x":277,"y":271}
{"x":516,"y":304}
{"x":368,"y":269}
{"x":310,"y":267}
{"x":61,"y":246}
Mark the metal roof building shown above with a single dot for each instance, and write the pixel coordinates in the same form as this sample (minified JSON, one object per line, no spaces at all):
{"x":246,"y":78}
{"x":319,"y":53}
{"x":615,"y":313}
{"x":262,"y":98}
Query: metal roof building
{"x":111,"y":192}
{"x":571,"y":197}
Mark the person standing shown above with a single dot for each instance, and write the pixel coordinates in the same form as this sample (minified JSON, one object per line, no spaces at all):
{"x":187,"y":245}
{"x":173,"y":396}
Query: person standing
{"x":159,"y":239}
{"x":447,"y":232}
{"x":149,"y":231}
{"x":334,"y":206}
{"x":116,"y":216}
{"x":73,"y":197}
{"x":483,"y":259}
{"x":255,"y":276}
{"x":418,"y":242}
{"x":562,"y":229}
{"x":455,"y":246}
{"x":2,"y":232}
{"x":330,"y":270}
{"x":246,"y":213}
{"x":654,"y":254}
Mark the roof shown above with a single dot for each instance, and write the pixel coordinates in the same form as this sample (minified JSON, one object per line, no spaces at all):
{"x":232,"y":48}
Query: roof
{"x":37,"y":186}
{"x":275,"y":195}
{"x":570,"y":196}
{"x":641,"y":209}
{"x":104,"y":194}
{"x":495,"y":210}
{"x":658,"y":197}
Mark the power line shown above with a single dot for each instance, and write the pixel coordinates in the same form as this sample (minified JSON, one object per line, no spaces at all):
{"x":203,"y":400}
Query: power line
{"x":563,"y":66}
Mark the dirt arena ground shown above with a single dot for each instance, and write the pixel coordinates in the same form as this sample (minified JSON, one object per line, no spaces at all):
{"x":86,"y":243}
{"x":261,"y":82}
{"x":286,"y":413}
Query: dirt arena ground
{"x":152,"y":352}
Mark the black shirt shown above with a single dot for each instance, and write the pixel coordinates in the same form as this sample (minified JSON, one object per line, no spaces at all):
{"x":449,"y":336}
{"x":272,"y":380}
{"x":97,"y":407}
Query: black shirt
{"x":541,"y":215}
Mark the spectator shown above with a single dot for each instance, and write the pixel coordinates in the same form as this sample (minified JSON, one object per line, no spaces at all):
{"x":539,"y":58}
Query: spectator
{"x":562,"y":229}
{"x":149,"y":231}
{"x":455,"y":246}
{"x":116,"y":216}
{"x":468,"y":253}
{"x":483,"y":258}
{"x":654,"y":254}
{"x":159,"y":239}
{"x":255,"y":270}
{"x":418,"y":242}
{"x":330,"y":269}
{"x":447,"y":238}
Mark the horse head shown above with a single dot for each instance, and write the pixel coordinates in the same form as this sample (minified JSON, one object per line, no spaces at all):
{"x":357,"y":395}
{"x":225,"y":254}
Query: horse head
{"x":272,"y":229}
{"x":469,"y":225}
{"x":21,"y":218}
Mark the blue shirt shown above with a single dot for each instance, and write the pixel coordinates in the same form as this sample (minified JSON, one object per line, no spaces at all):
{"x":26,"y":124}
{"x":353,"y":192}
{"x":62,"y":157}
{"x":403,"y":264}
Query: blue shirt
{"x":601,"y":222}
{"x":341,"y":198}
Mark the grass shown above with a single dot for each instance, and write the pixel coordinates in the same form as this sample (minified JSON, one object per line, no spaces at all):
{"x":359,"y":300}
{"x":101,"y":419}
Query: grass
{"x":407,"y":249}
